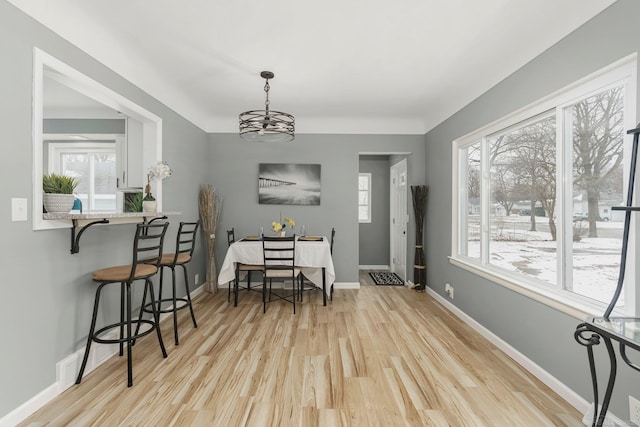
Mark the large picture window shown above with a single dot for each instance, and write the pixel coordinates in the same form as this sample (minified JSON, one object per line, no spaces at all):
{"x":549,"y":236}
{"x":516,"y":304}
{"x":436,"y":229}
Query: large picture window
{"x":533,"y":194}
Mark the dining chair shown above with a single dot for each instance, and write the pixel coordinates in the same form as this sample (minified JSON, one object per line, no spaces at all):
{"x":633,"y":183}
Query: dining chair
{"x":147,"y":253}
{"x":333,"y":236}
{"x":185,"y":244}
{"x":279,"y":263}
{"x":247,"y":268}
{"x":303,"y":287}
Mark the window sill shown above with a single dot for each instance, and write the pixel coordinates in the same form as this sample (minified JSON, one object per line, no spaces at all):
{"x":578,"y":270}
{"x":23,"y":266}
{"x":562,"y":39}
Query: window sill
{"x":572,"y":307}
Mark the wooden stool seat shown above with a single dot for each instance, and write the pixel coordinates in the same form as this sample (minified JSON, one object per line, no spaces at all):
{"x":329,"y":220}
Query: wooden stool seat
{"x":168,"y":259}
{"x":122,"y":273}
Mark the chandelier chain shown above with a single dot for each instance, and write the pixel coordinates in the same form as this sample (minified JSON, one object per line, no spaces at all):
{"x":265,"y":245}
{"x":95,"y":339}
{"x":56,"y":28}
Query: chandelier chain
{"x":266,"y":93}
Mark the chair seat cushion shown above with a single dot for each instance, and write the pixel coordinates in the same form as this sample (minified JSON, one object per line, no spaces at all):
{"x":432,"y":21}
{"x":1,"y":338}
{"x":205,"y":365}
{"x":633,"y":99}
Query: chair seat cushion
{"x":250,"y":267}
{"x":167,"y":259}
{"x":121,"y":273}
{"x":272,"y":274}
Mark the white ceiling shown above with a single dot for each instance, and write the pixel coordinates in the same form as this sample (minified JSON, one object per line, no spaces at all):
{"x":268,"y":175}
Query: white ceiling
{"x":341,"y":66}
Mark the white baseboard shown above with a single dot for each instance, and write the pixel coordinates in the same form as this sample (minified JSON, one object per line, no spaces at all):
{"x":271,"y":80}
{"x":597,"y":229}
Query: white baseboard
{"x":67,"y":371}
{"x":373,"y":267}
{"x":346,"y":285}
{"x":573,"y":398}
{"x":30,"y":406}
{"x":609,"y":421}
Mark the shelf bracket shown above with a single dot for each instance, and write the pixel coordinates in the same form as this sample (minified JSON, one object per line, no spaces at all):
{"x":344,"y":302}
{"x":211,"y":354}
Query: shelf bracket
{"x":75,"y":238}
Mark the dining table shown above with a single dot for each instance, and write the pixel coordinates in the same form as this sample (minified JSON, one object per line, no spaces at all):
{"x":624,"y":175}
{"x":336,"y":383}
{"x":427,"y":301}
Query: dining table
{"x":312,"y":257}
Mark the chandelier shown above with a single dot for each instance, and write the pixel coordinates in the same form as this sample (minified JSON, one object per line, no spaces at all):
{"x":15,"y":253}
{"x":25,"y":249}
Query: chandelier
{"x":267,"y":125}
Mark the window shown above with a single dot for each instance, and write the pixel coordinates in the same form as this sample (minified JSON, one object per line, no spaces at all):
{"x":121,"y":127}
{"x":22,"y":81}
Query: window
{"x":95,"y":164}
{"x":533,"y":208}
{"x":364,"y":197}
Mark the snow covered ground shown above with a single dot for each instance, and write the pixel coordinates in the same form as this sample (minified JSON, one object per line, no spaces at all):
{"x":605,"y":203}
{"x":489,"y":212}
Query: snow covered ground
{"x":596,"y":261}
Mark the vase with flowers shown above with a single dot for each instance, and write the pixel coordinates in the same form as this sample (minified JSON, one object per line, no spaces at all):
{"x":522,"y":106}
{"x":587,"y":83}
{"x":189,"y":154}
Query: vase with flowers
{"x":157,"y":172}
{"x":279,"y":226}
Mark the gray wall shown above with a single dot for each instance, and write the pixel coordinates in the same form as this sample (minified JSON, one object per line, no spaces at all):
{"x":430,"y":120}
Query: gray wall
{"x":374,"y":236}
{"x":48,"y":293}
{"x":234,"y":171}
{"x":543,"y":334}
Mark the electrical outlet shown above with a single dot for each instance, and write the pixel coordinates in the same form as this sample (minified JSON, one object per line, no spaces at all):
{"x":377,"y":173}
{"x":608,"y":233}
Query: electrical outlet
{"x":448,"y":289}
{"x":197,"y":279}
{"x":634,"y":410}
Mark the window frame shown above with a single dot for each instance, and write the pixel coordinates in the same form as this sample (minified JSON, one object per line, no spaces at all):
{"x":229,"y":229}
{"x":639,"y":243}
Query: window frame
{"x":368,"y":205}
{"x":623,"y":72}
{"x":58,"y":148}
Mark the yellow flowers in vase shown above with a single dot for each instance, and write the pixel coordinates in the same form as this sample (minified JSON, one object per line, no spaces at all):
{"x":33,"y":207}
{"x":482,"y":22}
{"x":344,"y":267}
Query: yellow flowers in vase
{"x":279,"y":226}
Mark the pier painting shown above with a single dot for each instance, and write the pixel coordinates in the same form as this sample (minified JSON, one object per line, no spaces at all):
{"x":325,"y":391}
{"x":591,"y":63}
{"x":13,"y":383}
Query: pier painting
{"x":288,"y":184}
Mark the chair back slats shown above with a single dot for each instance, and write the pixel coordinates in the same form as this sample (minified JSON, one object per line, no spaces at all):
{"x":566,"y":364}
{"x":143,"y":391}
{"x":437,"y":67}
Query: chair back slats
{"x":333,"y":236}
{"x":147,"y":245}
{"x":186,"y":239}
{"x":279,"y":253}
{"x":231,"y":237}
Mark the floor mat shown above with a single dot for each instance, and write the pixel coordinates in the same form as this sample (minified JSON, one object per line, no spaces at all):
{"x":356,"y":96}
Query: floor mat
{"x":384,"y":278}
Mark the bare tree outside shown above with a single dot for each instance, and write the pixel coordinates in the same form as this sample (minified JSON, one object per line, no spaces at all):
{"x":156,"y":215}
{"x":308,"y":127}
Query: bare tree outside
{"x":598,"y":136}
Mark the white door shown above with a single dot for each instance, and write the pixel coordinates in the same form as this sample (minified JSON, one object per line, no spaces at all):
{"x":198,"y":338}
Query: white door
{"x":399,"y":218}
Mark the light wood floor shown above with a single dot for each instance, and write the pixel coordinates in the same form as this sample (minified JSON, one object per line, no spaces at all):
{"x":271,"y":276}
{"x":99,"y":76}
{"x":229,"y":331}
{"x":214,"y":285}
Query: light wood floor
{"x":377,"y":356}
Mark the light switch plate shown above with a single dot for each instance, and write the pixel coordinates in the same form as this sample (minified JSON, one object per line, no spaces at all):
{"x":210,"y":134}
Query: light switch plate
{"x":18,"y":209}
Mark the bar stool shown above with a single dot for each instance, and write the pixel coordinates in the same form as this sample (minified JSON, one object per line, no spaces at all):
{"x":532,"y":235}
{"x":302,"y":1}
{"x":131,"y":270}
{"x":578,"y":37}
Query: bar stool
{"x":147,"y":252}
{"x":185,"y":244}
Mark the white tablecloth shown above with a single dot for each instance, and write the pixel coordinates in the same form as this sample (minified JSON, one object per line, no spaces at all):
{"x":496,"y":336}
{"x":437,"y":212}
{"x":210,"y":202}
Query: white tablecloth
{"x":311,"y":258}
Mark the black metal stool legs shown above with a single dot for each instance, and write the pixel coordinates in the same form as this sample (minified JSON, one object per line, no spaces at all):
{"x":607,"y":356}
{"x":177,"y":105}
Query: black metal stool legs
{"x":92,"y":329}
{"x":124,"y":328}
{"x":156,"y":317}
{"x":186,"y":284}
{"x":173,"y":309}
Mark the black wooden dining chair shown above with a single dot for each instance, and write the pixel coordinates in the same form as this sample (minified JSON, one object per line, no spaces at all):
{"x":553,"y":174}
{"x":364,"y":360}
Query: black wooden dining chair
{"x":279,"y":263}
{"x":333,"y":236}
{"x":147,"y":252}
{"x":240,"y":268}
{"x":312,"y":287}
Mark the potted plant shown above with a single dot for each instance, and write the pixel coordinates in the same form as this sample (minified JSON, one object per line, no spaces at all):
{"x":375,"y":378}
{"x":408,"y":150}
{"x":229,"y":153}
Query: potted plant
{"x":157,"y":172}
{"x":58,"y":192}
{"x":134,"y":204}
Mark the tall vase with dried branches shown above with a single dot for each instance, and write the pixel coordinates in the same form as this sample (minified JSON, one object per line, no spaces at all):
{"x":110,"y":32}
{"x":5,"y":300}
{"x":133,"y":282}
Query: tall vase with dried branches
{"x":210,"y":209}
{"x":419,"y":193}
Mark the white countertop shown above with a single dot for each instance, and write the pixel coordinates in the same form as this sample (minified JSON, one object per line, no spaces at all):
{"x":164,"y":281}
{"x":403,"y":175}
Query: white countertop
{"x":106,"y":215}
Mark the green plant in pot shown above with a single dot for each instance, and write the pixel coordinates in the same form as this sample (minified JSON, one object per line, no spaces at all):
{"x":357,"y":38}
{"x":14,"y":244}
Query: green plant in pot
{"x":58,"y":192}
{"x":134,"y":204}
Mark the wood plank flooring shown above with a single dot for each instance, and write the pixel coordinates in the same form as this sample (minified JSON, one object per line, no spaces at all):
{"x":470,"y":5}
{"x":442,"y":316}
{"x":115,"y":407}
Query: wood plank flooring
{"x":377,"y":356}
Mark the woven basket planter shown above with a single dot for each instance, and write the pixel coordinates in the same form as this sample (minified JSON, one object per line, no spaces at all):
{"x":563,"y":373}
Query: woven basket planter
{"x":56,"y":203}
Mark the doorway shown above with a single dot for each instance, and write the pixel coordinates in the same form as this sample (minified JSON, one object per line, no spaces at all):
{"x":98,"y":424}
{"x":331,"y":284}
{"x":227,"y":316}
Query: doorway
{"x":376,"y":243}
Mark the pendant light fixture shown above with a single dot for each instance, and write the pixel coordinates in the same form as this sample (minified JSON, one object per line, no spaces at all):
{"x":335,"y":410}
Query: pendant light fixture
{"x":267,"y":125}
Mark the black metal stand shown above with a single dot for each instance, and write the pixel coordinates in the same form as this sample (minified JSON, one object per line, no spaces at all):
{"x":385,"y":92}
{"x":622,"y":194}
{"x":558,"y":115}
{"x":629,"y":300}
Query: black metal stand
{"x":75,"y":237}
{"x":595,"y":330}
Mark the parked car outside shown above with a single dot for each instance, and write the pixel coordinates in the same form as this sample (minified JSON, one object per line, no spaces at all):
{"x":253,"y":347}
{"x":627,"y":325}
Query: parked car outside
{"x":580,"y":216}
